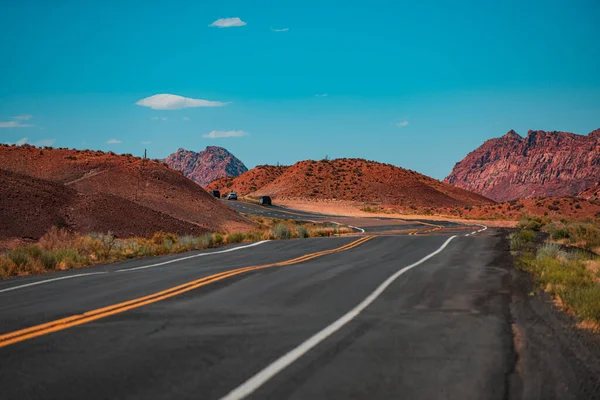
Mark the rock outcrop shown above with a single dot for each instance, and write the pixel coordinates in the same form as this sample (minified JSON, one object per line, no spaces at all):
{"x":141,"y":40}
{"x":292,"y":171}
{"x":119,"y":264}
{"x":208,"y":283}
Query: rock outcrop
{"x":543,"y":164}
{"x":207,"y":165}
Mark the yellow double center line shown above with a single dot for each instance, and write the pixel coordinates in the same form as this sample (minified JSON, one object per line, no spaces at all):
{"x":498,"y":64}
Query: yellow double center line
{"x":89,"y":316}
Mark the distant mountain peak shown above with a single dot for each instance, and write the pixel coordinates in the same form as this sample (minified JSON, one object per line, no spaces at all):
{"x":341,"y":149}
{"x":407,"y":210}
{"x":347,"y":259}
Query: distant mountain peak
{"x":512,"y":135}
{"x":207,"y":165}
{"x":543,"y":164}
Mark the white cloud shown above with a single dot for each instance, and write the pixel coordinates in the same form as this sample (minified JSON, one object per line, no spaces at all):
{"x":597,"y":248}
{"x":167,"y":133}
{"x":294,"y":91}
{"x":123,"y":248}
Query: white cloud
{"x":164,"y":118}
{"x":16,"y":122}
{"x":22,"y":141}
{"x":146,"y":142}
{"x":280,"y":30}
{"x":154,"y":118}
{"x":24,"y":117}
{"x":175,"y":102}
{"x":186,"y":118}
{"x":322,"y":95}
{"x":227,"y":23}
{"x":224,"y":134}
{"x":402,"y":124}
{"x":113,"y":141}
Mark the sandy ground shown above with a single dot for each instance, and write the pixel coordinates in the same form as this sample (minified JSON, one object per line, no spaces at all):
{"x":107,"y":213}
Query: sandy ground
{"x":352,"y":209}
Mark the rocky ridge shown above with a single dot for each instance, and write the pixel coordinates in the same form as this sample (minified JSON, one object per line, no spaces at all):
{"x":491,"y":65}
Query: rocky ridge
{"x":543,"y":164}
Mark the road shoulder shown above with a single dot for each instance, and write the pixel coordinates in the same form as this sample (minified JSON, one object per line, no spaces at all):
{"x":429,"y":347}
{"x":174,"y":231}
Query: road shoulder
{"x":554,"y":359}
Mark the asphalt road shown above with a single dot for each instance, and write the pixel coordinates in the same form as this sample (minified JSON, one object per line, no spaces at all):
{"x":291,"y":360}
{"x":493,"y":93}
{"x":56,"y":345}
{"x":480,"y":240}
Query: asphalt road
{"x":439,"y":330}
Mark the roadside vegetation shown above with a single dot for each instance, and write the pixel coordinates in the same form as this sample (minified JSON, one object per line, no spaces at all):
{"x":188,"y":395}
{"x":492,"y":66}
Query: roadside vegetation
{"x":563,"y":259}
{"x":60,"y":249}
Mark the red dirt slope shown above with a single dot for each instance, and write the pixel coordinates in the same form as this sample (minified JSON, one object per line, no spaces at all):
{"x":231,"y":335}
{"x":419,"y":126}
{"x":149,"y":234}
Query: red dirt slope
{"x":248,"y":182}
{"x":148,"y":183}
{"x":29,"y":207}
{"x":361,"y":180}
{"x":554,"y":208}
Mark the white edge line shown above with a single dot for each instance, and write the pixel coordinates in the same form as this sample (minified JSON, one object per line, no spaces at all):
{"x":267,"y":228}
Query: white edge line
{"x":255,"y":382}
{"x":50,"y":280}
{"x":194,"y":256}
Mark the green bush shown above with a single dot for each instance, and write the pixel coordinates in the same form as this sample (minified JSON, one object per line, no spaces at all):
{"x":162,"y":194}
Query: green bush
{"x":585,"y":300}
{"x":531,"y":223}
{"x":254,"y":236}
{"x":20,"y":256}
{"x":522,"y":240}
{"x":235,"y":237}
{"x":302,"y":232}
{"x":281,"y":231}
{"x":218,"y":238}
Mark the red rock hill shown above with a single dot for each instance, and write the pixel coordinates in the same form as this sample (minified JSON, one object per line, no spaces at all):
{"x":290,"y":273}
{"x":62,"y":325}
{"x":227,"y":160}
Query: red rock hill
{"x":129,"y":190}
{"x":353,"y":180}
{"x":207,"y":165}
{"x":248,"y":182}
{"x":544,"y":164}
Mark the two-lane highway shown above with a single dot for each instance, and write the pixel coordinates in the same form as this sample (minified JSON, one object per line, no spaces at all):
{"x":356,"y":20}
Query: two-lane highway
{"x":351,"y":317}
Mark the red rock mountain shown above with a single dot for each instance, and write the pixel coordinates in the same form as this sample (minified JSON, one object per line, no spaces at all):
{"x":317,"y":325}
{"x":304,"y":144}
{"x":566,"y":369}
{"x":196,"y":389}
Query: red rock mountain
{"x":207,"y":165}
{"x":544,"y":164}
{"x":353,"y":180}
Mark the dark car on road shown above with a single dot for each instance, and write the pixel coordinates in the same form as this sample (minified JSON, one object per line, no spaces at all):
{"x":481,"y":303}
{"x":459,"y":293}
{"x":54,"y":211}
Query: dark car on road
{"x":215,"y":193}
{"x":264,"y":201}
{"x":232,"y":196}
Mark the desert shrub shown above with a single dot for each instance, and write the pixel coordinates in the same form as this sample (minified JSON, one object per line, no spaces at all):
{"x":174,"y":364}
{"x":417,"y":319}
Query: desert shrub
{"x":322,"y":232}
{"x":585,"y":300}
{"x":532,"y":223}
{"x":49,"y":260}
{"x":254,"y":236}
{"x":187,"y":242}
{"x":205,"y":241}
{"x":560,"y":233}
{"x":302,"y":231}
{"x":281,"y":231}
{"x":551,"y":250}
{"x":7,"y":267}
{"x":56,"y":238}
{"x":218,"y":238}
{"x":160,"y":237}
{"x":69,"y":258}
{"x":20,"y":256}
{"x":235,"y":237}
{"x":522,"y":240}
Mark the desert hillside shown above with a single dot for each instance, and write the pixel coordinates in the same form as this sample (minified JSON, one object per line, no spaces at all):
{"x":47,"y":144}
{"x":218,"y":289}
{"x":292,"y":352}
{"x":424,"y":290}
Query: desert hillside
{"x":29,"y":207}
{"x":204,"y":167}
{"x":543,"y":164}
{"x":147,"y":183}
{"x":354,"y":180}
{"x":248,"y":182}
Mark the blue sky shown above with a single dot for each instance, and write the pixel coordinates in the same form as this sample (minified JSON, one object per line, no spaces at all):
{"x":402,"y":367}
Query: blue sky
{"x":415,"y":84}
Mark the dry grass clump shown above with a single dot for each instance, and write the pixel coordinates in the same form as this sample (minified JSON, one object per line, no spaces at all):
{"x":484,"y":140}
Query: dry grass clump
{"x":60,"y":249}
